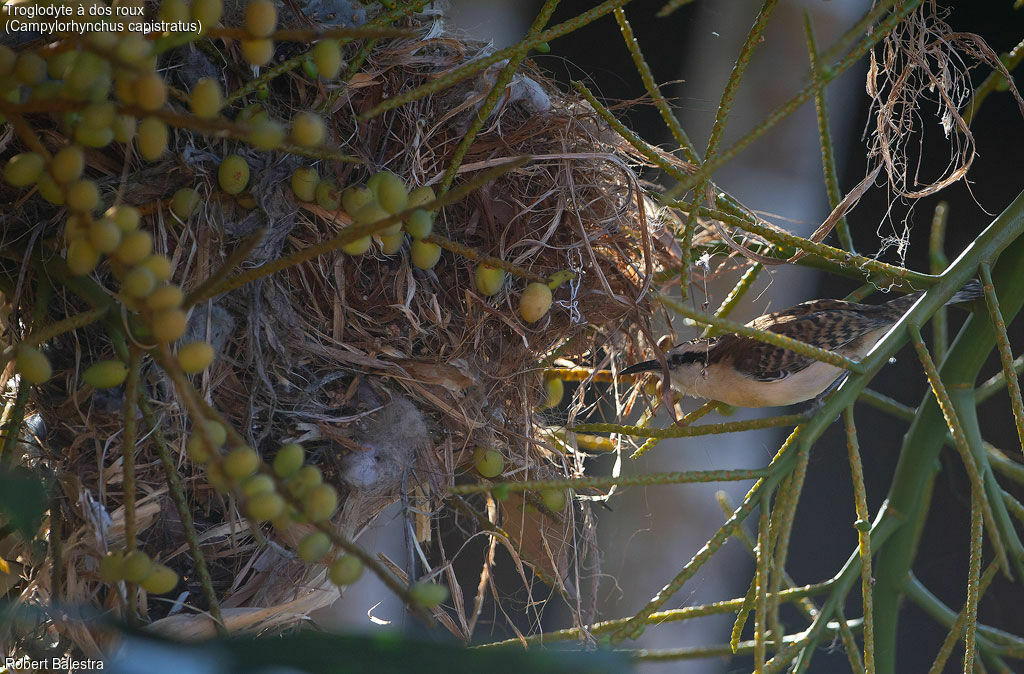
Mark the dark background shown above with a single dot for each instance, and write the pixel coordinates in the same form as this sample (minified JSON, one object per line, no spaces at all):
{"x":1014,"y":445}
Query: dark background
{"x":994,"y":180}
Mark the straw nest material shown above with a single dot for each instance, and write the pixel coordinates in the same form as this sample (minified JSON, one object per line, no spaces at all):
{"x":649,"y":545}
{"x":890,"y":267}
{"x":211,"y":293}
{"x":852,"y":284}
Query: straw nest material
{"x":389,"y":375}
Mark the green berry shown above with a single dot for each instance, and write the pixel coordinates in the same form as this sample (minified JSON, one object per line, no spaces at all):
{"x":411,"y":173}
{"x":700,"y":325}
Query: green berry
{"x":83,"y":196}
{"x":265,"y":506}
{"x":184,"y":203}
{"x":489,"y":279}
{"x":308,"y":129}
{"x":33,"y":366}
{"x":553,"y":499}
{"x":554,"y":389}
{"x":424,"y":255}
{"x":67,"y":165}
{"x":233,"y":174}
{"x":138,"y":283}
{"x":371,"y":213}
{"x":82,"y":257}
{"x":421,"y":195}
{"x":91,"y":136}
{"x":354,"y":197}
{"x":534,"y":302}
{"x":161,"y":580}
{"x":23,"y":169}
{"x":168,"y":325}
{"x":304,"y":181}
{"x":357,"y":247}
{"x":30,"y":68}
{"x":258,"y":52}
{"x":257,"y":484}
{"x":304,"y":480}
{"x":152,"y":138}
{"x":390,"y":190}
{"x":137,"y":566}
{"x":428,"y":595}
{"x":150,"y":91}
{"x":419,"y":224}
{"x":488,"y":462}
{"x":49,"y":189}
{"x":135,"y":247}
{"x":260,"y":17}
{"x":289,"y":460}
{"x":390,"y":244}
{"x":166,"y":297}
{"x":314,"y":547}
{"x":160,"y":265}
{"x":265,"y":134}
{"x":112,"y":567}
{"x":328,"y":196}
{"x":345,"y":570}
{"x":207,"y":13}
{"x":327,"y":57}
{"x":206,"y":98}
{"x":124,"y":128}
{"x":241,"y":462}
{"x":195,"y":357}
{"x":126,"y":217}
{"x":320,"y":503}
{"x":172,"y":11}
{"x":105,"y":374}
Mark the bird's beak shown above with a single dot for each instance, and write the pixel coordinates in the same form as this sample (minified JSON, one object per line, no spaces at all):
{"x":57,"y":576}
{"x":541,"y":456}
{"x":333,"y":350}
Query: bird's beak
{"x":646,"y":366}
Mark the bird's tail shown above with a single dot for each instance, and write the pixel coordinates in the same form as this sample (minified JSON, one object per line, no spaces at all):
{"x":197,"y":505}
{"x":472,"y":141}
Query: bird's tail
{"x":970,"y":292}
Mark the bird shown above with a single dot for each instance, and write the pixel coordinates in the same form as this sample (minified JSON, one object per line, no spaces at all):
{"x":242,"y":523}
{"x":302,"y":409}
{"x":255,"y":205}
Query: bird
{"x":744,"y":372}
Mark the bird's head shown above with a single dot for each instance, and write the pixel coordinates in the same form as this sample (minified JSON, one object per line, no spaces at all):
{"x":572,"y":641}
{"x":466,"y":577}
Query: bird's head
{"x":686,"y":363}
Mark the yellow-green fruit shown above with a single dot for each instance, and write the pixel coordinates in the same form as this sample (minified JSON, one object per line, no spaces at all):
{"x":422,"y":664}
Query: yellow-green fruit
{"x":320,"y":502}
{"x":82,"y":257}
{"x":251,"y":113}
{"x":33,"y":366}
{"x":391,"y":243}
{"x":67,"y":165}
{"x":152,"y":138}
{"x":104,"y":235}
{"x":314,"y":546}
{"x":135,"y":247}
{"x":283,"y":521}
{"x":98,"y":114}
{"x":257,"y":484}
{"x":233,"y":174}
{"x":391,"y":191}
{"x":124,"y":128}
{"x":241,"y":462}
{"x":260,"y":18}
{"x":195,"y":357}
{"x":93,"y":136}
{"x":421,"y":195}
{"x":534,"y":302}
{"x":419,"y":224}
{"x":49,"y":189}
{"x":105,"y":374}
{"x":304,"y":181}
{"x":307,"y":478}
{"x":124,"y":86}
{"x":357,"y":247}
{"x":488,"y":462}
{"x":265,"y":506}
{"x":265,"y":134}
{"x":289,"y":460}
{"x":103,"y":39}
{"x":150,"y":91}
{"x":196,"y":445}
{"x":205,"y":99}
{"x":553,"y":499}
{"x":428,"y":595}
{"x":112,"y":566}
{"x":138,"y":283}
{"x":23,"y":169}
{"x":207,"y":13}
{"x":137,"y":566}
{"x":328,"y":196}
{"x":133,"y":48}
{"x":327,"y":57}
{"x":126,"y":217}
{"x":308,"y":129}
{"x":217,"y":479}
{"x":165,"y":297}
{"x":185,"y":202}
{"x":7,"y":59}
{"x":173,"y":10}
{"x":161,"y":580}
{"x":489,"y":279}
{"x":160,"y":265}
{"x":371,"y":213}
{"x":554,"y":389}
{"x":345,"y":570}
{"x":258,"y":52}
{"x":424,"y":255}
{"x":83,"y":196}
{"x":169,"y":325}
{"x":29,"y":68}
{"x":354,"y":197}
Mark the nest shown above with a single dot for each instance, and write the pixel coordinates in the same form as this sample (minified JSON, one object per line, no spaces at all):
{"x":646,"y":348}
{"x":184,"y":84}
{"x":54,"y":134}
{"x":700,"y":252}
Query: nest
{"x":389,"y":375}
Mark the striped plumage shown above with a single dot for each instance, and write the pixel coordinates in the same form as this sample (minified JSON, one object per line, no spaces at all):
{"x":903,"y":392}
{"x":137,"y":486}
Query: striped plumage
{"x":745,"y":372}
